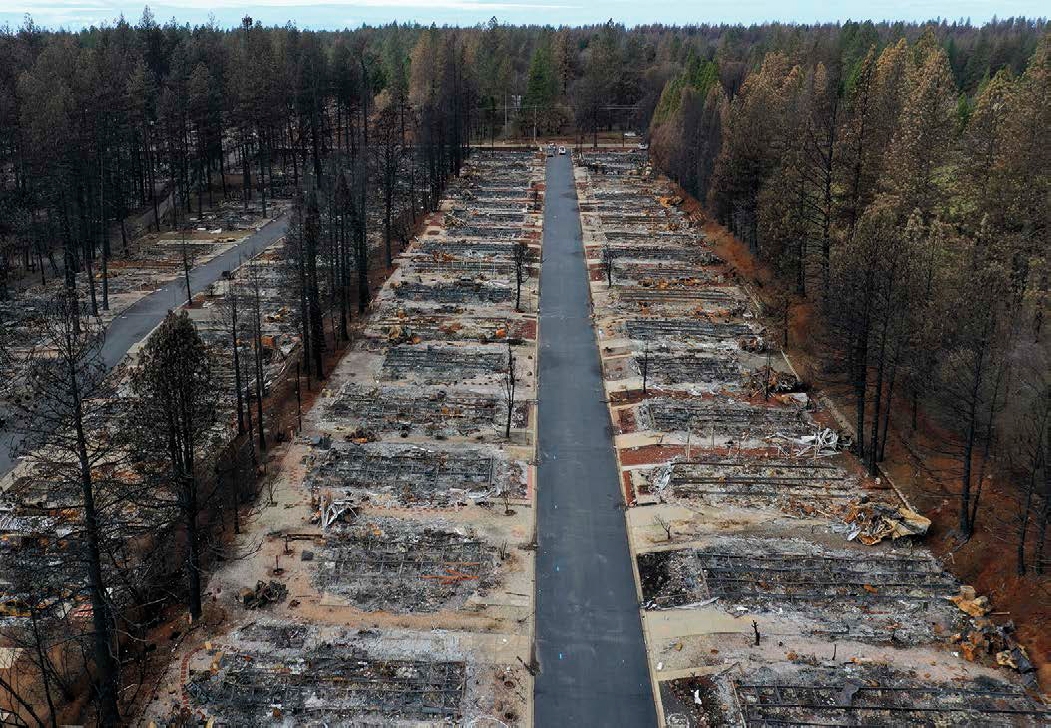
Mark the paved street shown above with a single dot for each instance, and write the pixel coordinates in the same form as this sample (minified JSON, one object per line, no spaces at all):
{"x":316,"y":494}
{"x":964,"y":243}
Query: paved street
{"x":589,"y":636}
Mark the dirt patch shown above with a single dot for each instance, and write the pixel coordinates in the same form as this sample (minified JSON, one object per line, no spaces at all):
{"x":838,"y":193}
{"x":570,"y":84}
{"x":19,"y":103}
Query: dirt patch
{"x":650,"y":454}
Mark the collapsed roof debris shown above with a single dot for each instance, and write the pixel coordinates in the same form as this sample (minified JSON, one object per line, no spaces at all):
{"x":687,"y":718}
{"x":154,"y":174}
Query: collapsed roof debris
{"x":390,"y":409}
{"x":872,"y":522}
{"x":847,"y":695}
{"x":764,"y":571}
{"x":396,"y":475}
{"x":383,"y":564}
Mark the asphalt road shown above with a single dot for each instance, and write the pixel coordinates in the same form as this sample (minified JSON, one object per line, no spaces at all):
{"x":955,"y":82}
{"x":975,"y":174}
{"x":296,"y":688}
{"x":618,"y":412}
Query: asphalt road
{"x":140,"y":318}
{"x":588,"y":631}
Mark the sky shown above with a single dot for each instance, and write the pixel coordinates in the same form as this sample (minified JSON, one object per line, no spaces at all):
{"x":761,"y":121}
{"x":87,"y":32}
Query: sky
{"x":337,"y":14}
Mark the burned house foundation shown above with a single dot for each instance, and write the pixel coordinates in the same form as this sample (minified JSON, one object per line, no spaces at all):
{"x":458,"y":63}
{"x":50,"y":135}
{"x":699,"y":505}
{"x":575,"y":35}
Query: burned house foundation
{"x":430,"y":363}
{"x":387,"y":410}
{"x":700,"y":330}
{"x":330,"y":687}
{"x":853,"y":696}
{"x":674,"y":369}
{"x":412,"y":475}
{"x":722,"y":420}
{"x":454,"y":292}
{"x":383,"y":564}
{"x":763,"y":572}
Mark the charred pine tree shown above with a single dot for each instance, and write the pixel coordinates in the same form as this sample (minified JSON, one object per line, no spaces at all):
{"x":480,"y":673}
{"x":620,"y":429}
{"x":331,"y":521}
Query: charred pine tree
{"x":969,"y":377}
{"x":389,"y":149}
{"x":851,"y":309}
{"x":644,"y":368}
{"x":521,"y":256}
{"x":342,"y":205}
{"x":609,"y":260}
{"x":311,"y":238}
{"x":510,"y":381}
{"x":170,"y":419}
{"x":361,"y":243}
{"x":38,"y":632}
{"x":230,"y":314}
{"x":255,"y":310}
{"x":1029,"y":454}
{"x":66,"y":427}
{"x":296,"y":256}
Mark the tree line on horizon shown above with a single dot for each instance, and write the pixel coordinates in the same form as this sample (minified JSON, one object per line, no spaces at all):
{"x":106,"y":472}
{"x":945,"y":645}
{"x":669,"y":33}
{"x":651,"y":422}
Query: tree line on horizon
{"x":103,"y":122}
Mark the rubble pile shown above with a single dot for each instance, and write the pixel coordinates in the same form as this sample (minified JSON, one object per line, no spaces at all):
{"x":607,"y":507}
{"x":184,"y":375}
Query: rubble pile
{"x":389,"y":475}
{"x":848,"y":695}
{"x":381,"y":564}
{"x":766,"y":380}
{"x":326,"y":686}
{"x":264,"y":594}
{"x":871,"y":522}
{"x":398,"y":410}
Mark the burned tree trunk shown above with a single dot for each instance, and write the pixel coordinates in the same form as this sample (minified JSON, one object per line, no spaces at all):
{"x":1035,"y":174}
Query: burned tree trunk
{"x":644,"y":368}
{"x":609,"y":258}
{"x":510,"y":381}
{"x":311,"y":235}
{"x":65,"y":432}
{"x":521,"y":256}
